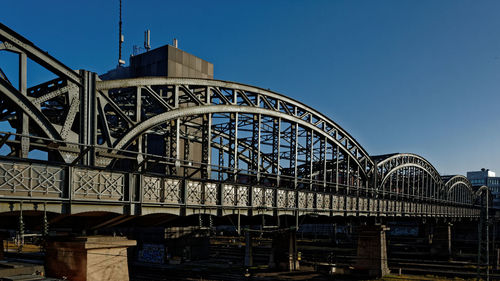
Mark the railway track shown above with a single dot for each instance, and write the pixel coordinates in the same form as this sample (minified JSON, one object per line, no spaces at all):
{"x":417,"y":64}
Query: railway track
{"x":450,"y":269}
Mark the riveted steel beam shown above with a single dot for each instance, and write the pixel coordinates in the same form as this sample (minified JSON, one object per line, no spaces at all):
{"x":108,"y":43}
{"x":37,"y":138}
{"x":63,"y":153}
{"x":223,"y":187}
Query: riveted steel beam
{"x":29,"y":108}
{"x":341,"y":137}
{"x":37,"y":55}
{"x":199,"y":110}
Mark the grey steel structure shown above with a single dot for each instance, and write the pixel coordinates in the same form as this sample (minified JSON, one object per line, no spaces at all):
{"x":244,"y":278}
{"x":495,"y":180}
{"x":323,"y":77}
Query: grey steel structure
{"x":219,"y":148}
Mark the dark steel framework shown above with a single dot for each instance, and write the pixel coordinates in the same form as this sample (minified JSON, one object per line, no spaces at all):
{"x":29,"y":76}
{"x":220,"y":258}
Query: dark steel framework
{"x":202,"y":142}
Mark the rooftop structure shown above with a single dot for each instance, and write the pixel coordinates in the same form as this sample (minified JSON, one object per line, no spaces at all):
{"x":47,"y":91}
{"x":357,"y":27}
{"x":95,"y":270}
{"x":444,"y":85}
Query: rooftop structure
{"x":167,"y":61}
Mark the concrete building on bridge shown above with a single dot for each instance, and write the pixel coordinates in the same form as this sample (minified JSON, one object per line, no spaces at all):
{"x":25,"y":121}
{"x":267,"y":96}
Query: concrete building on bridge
{"x":167,"y":61}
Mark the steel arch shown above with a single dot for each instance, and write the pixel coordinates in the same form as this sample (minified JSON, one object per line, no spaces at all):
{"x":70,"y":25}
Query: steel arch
{"x":480,"y":191}
{"x":429,"y":187}
{"x":459,"y":189}
{"x":396,"y":161}
{"x":483,"y":194}
{"x":275,"y":104}
{"x":30,"y":109}
{"x":143,"y":127}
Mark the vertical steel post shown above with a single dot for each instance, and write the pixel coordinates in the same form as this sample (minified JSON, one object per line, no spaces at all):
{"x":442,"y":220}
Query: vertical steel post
{"x":88,"y":115}
{"x":206,"y":146}
{"x":234,"y":152}
{"x":186,"y":152}
{"x":23,"y":87}
{"x":221,"y":160}
{"x":140,"y":149}
{"x":336,"y":168}
{"x":348,"y":174}
{"x":479,"y":240}
{"x":258,"y":140}
{"x":487,"y":235}
{"x":21,"y":228}
{"x":324,"y":146}
{"x":45,"y":231}
{"x":295,"y":135}
{"x":276,"y":149}
{"x":310,"y":156}
{"x":238,"y":228}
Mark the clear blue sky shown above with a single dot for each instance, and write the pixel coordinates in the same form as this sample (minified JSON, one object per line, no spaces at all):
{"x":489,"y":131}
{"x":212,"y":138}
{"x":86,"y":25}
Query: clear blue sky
{"x":400,"y":76}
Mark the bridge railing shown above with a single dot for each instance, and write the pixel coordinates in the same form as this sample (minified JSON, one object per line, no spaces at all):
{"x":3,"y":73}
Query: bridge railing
{"x":70,"y":184}
{"x":72,"y":187}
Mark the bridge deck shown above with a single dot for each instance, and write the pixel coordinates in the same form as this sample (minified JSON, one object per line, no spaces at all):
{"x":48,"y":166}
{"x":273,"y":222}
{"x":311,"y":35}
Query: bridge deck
{"x":69,"y":189}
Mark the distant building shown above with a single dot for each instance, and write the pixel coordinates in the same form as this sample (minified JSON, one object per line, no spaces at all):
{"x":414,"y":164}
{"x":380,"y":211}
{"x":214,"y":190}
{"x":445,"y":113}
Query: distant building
{"x":488,"y":178}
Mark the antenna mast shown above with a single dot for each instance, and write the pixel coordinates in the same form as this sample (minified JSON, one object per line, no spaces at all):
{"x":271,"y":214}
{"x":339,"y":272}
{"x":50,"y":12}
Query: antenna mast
{"x":147,"y":43}
{"x":120,"y":39}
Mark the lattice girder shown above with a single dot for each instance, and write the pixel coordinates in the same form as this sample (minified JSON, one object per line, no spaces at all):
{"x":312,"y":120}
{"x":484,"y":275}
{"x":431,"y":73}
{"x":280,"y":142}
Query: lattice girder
{"x":459,"y":190}
{"x":401,"y":168}
{"x":248,"y":111}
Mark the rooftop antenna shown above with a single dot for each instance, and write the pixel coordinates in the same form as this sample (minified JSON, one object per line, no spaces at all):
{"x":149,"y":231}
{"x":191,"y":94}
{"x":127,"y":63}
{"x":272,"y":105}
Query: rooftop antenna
{"x":147,"y":44}
{"x":120,"y":39}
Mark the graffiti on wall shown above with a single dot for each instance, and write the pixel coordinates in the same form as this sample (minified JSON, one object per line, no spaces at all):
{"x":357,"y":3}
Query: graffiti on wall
{"x":152,"y":253}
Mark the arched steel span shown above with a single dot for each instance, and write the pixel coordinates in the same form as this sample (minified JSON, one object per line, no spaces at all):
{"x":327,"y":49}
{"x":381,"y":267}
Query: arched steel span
{"x":406,"y":175}
{"x":230,"y":94}
{"x":480,"y":195}
{"x":459,"y":189}
{"x":482,"y":190}
{"x":300,"y":139}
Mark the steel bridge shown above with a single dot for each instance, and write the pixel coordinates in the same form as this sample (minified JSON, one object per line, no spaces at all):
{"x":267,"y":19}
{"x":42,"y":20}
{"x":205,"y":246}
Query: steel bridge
{"x":184,"y":146}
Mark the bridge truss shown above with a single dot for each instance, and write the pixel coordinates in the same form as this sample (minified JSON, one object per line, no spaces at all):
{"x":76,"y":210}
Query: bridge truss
{"x":183,"y":145}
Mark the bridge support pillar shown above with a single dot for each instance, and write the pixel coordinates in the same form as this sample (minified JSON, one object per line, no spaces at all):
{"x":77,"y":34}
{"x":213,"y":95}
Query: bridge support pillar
{"x":3,"y":237}
{"x":372,"y":251}
{"x":284,"y":251}
{"x":248,"y":249}
{"x":88,"y":258}
{"x":426,"y":231}
{"x":442,"y":239}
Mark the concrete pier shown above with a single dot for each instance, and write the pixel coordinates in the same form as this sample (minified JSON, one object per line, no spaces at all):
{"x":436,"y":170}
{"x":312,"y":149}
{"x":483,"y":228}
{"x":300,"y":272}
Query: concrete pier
{"x":248,"y":249}
{"x":88,"y":258}
{"x":3,"y":237}
{"x":441,"y":242}
{"x":284,"y":251}
{"x":372,"y":251}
